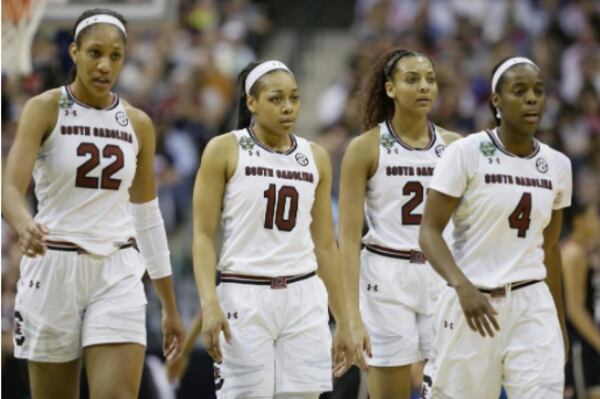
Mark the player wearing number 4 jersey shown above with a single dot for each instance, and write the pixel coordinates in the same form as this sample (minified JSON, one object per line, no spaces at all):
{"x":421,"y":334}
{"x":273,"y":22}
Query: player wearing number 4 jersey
{"x":385,"y":175}
{"x":80,"y":293}
{"x":497,"y":321}
{"x":271,"y":192}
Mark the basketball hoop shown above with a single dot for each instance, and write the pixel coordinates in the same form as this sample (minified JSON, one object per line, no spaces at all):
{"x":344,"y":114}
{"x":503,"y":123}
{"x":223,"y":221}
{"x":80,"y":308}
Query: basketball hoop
{"x":20,"y":20}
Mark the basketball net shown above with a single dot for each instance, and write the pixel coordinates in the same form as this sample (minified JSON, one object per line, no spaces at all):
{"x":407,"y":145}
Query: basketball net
{"x":20,"y":20}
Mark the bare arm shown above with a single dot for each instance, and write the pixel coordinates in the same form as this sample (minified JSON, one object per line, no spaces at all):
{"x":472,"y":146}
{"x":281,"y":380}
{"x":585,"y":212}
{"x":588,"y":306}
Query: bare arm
{"x":218,"y":164}
{"x":359,"y":163}
{"x":37,"y":120}
{"x":575,"y":268}
{"x":327,"y":253}
{"x":438,"y":209}
{"x":552,"y":260}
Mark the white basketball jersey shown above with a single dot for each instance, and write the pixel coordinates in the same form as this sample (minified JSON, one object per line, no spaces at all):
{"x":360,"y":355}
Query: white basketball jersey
{"x":267,"y":209}
{"x":82,"y":175}
{"x":506,"y":203}
{"x":396,"y":193}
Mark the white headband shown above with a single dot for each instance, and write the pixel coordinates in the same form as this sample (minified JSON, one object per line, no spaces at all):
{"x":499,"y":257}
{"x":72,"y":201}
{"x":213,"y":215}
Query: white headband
{"x":99,"y":19}
{"x":509,"y":63}
{"x":262,"y":69}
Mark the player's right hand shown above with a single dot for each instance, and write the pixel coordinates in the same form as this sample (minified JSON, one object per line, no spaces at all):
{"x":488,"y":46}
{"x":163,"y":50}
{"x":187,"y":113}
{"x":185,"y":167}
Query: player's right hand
{"x":31,"y":239}
{"x":213,"y":322}
{"x":480,"y":315}
{"x":362,"y":344}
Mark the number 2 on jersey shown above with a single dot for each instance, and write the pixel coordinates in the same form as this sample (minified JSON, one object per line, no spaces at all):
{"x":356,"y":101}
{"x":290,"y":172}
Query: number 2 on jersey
{"x":276,"y":205}
{"x":519,"y":219}
{"x":408,"y":217}
{"x":109,"y":151}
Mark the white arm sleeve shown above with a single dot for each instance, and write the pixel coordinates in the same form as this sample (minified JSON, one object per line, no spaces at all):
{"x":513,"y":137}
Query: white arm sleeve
{"x":152,"y":238}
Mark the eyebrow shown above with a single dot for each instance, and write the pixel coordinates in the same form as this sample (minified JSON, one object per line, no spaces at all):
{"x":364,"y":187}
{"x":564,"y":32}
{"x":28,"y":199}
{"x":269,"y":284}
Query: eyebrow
{"x":418,"y":73}
{"x":277,"y":91}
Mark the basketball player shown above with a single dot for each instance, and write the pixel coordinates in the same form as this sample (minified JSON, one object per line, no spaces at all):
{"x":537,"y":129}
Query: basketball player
{"x":581,"y":270}
{"x":270,"y":190}
{"x":497,"y":323}
{"x":80,"y":293}
{"x":385,"y":174}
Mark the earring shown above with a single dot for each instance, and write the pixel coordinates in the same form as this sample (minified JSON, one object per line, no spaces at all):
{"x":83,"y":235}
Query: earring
{"x":498,"y":114}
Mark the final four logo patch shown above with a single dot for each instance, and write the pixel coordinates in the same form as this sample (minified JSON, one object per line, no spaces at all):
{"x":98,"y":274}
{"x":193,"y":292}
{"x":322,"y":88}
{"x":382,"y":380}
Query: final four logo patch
{"x":541,"y":165}
{"x":487,"y":148}
{"x":246,"y":143}
{"x":439,"y":150}
{"x":121,"y":118}
{"x":301,"y":159}
{"x":65,"y":102}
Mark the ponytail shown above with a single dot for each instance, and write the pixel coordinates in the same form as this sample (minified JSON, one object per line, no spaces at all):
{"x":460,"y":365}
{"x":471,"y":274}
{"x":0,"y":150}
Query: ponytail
{"x":244,"y":116}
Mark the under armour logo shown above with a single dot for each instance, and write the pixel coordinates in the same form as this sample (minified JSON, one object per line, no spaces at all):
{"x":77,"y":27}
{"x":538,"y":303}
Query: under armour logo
{"x":492,"y":160}
{"x":230,"y":315}
{"x":18,"y":328}
{"x":35,"y":284}
{"x":70,"y":112}
{"x":372,"y":287}
{"x":446,"y":325}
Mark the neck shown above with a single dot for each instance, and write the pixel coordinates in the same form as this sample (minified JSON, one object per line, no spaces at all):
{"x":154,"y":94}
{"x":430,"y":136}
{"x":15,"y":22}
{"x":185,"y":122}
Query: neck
{"x":517,"y":142}
{"x":275,"y":140}
{"x":83,"y":95}
{"x":410,"y":126}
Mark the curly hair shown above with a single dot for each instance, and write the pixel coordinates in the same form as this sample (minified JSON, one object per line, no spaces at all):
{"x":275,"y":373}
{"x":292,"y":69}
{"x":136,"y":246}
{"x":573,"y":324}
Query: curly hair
{"x":375,"y":105}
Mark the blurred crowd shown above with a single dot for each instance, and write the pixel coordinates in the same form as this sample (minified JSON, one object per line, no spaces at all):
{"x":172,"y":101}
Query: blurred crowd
{"x":183,"y":75}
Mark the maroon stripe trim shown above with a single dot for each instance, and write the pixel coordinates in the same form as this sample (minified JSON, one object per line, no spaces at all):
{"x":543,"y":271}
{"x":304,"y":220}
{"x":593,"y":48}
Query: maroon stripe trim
{"x":264,"y":147}
{"x":110,"y":107}
{"x":389,"y":250}
{"x":498,"y":144}
{"x":432,"y":137}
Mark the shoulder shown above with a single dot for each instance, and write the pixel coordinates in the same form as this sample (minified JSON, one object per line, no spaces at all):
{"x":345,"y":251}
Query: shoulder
{"x":41,"y":111}
{"x":365,"y":145}
{"x":139,"y":119}
{"x":556,"y":159}
{"x":448,"y":136}
{"x":223,"y":141}
{"x":319,"y":153}
{"x":46,"y":103}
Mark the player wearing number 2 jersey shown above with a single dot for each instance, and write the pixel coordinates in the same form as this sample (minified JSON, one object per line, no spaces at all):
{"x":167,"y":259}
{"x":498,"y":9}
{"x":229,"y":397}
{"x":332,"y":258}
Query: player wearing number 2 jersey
{"x":270,"y":190}
{"x":385,"y":175}
{"x":80,"y":294}
{"x":496,"y":323}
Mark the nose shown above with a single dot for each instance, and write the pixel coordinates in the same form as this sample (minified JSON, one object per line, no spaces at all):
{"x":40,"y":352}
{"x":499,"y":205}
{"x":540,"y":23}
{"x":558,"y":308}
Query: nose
{"x":287,"y":106}
{"x":530,"y":97}
{"x":104,"y":65}
{"x":424,"y":86}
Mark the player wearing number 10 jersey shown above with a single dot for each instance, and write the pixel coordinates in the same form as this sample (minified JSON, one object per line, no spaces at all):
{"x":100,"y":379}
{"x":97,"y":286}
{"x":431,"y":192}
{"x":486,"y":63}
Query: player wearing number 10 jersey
{"x":270,"y":190}
{"x":385,"y":175}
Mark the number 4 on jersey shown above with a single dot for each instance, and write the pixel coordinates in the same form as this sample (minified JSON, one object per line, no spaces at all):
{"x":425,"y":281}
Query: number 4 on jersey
{"x":519,"y":219}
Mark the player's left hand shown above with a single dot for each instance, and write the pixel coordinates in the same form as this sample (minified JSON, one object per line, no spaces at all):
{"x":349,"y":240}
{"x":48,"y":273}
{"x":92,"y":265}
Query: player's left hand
{"x":343,"y":351}
{"x":173,"y":334}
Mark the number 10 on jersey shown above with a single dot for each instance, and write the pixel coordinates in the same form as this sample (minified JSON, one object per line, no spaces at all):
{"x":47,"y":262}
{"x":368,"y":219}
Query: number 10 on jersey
{"x":282,"y":207}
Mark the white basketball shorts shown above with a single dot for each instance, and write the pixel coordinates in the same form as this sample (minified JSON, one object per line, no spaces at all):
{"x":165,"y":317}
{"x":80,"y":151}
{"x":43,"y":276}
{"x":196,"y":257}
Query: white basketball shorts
{"x":397,"y":300}
{"x":526,"y":356}
{"x":281,"y":340}
{"x":67,"y":300}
